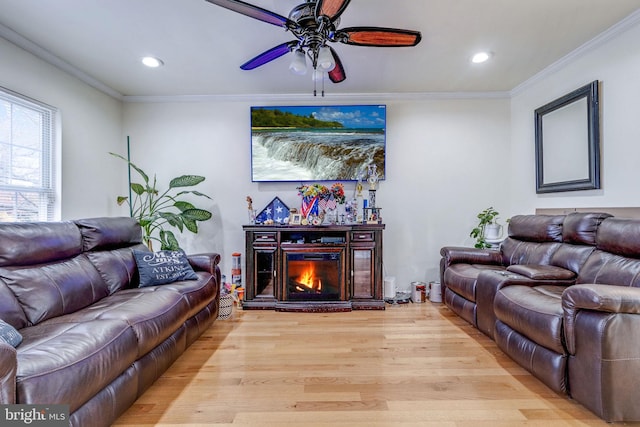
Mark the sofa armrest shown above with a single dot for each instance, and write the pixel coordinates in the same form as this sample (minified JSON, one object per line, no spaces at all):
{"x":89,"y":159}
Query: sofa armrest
{"x":8,"y":369}
{"x":207,"y":262}
{"x":457,"y":254}
{"x":603,"y":298}
{"x":204,"y":262}
{"x":542,"y":272}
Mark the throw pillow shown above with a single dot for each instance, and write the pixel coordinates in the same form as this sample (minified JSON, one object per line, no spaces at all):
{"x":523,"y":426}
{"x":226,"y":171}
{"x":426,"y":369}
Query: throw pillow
{"x":9,"y":334}
{"x":162,"y":267}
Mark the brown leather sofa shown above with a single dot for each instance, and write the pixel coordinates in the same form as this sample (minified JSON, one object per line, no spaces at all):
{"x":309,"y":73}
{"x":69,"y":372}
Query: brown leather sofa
{"x":92,"y":339}
{"x":560,"y":297}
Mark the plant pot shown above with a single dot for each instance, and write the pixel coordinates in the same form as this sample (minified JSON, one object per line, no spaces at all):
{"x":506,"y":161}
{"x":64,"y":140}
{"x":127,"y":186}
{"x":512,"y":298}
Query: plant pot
{"x":493,"y":231}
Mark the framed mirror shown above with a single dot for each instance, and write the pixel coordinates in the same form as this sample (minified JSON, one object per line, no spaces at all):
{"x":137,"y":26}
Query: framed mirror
{"x":567,"y":137}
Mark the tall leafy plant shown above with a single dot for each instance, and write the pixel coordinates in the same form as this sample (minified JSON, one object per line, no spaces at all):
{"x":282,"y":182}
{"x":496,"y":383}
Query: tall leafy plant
{"x":157,"y":210}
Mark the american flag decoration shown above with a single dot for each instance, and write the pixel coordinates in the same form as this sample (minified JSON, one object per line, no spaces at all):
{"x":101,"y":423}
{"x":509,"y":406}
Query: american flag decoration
{"x":331,"y":203}
{"x":327,"y":203}
{"x":309,"y":206}
{"x":275,"y":210}
{"x":322,"y":204}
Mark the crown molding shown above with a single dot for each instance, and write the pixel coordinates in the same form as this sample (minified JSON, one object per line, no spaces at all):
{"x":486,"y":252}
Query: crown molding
{"x":38,"y":51}
{"x":305,"y":97}
{"x":612,"y":32}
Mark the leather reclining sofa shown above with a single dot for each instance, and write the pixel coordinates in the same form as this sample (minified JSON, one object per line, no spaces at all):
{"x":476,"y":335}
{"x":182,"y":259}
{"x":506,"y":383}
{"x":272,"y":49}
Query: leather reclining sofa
{"x":92,"y":339}
{"x":561,"y":297}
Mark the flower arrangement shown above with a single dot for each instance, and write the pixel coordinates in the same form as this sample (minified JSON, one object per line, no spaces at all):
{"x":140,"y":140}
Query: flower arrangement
{"x":318,"y":196}
{"x":312,"y":190}
{"x":336,"y":191}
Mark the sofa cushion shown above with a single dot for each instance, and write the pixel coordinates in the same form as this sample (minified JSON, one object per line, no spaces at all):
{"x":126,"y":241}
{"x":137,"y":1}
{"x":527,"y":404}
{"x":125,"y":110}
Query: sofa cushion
{"x":461,"y":278}
{"x":536,"y":228}
{"x":609,"y":269}
{"x":153,"y":313}
{"x":572,"y":257}
{"x":53,"y":289}
{"x":619,"y":236}
{"x":10,"y":309}
{"x":533,"y":311}
{"x":542,"y":272}
{"x":117,"y":267}
{"x":109,"y":232}
{"x":523,"y":252}
{"x":38,"y":242}
{"x":580,"y":228}
{"x":197,"y":293}
{"x":161,"y":267}
{"x":9,"y":334}
{"x":69,"y":362}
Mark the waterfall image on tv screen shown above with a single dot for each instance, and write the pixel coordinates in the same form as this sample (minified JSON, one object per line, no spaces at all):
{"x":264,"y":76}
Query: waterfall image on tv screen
{"x":319,"y":143}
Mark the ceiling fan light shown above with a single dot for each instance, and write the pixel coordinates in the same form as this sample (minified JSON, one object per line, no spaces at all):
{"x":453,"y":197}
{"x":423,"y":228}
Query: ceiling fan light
{"x":299,"y":63}
{"x":318,"y":75}
{"x":325,"y":59}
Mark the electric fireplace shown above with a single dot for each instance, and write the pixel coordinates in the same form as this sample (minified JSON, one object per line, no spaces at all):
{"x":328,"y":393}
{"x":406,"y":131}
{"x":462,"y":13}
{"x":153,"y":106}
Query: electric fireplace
{"x":313,"y":276}
{"x":314,"y":269}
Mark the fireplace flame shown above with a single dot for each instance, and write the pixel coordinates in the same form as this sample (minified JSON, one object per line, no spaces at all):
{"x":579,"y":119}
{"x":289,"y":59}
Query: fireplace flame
{"x":309,"y":280}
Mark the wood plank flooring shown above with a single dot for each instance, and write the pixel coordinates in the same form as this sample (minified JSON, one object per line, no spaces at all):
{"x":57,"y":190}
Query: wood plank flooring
{"x":410,"y":365}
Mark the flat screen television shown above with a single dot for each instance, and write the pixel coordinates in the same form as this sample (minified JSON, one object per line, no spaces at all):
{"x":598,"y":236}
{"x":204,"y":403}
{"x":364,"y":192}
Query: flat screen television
{"x":317,"y":143}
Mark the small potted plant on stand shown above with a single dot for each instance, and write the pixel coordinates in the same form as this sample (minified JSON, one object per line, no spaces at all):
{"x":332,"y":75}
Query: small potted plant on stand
{"x":487,"y":228}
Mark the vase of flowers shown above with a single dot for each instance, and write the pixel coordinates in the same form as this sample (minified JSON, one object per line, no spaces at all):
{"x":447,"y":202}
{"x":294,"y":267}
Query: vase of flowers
{"x":318,"y":199}
{"x":333,"y":200}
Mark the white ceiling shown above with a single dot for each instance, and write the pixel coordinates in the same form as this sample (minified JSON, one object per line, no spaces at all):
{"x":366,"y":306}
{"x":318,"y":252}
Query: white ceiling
{"x":203,"y":45}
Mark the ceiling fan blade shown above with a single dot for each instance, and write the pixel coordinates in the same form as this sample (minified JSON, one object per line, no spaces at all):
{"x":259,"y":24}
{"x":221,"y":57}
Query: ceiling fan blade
{"x":253,"y":12}
{"x":269,"y":55}
{"x":378,"y":36}
{"x":337,"y":74}
{"x":331,"y":8}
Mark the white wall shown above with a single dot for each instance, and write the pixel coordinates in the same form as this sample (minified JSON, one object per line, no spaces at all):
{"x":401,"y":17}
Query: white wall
{"x":616,"y":64}
{"x":447,"y":158}
{"x":444,"y":164}
{"x":91,"y":126}
{"x":439,"y":174}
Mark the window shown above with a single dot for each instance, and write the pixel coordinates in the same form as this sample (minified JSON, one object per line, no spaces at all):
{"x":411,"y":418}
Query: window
{"x":27,"y":132}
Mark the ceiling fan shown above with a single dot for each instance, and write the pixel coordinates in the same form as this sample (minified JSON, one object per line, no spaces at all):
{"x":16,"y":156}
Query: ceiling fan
{"x":314,"y":24}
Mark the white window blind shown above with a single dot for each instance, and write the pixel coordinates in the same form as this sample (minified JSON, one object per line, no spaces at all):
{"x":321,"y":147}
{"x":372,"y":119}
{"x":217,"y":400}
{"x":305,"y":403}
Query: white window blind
{"x":27,"y":136}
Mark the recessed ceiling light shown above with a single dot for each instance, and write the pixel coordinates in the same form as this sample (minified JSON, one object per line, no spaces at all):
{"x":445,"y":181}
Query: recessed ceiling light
{"x":152,"y":62}
{"x":480,"y":57}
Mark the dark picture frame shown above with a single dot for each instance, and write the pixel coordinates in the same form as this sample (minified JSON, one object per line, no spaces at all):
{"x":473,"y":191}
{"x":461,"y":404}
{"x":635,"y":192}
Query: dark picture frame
{"x":567,"y":142}
{"x":303,"y":143}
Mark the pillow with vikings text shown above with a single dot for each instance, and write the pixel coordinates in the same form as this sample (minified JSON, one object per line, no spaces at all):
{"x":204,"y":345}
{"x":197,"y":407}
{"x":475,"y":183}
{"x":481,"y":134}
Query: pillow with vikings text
{"x":162,"y":267}
{"x":9,"y":334}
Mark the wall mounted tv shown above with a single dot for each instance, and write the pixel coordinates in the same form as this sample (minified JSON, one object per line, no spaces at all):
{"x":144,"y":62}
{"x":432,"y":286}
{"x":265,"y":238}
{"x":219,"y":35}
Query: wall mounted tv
{"x":319,"y":143}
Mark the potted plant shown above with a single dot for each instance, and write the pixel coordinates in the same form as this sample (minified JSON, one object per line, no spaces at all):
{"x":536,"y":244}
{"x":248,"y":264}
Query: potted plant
{"x":156,"y":210}
{"x":487,"y":228}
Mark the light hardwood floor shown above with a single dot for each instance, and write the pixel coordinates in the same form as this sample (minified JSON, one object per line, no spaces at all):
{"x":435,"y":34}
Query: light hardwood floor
{"x":410,"y":365}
